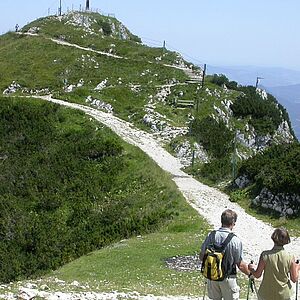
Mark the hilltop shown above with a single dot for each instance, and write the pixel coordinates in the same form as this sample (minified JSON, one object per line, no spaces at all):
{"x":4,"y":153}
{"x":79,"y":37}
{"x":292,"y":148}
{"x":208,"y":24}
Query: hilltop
{"x":93,"y":59}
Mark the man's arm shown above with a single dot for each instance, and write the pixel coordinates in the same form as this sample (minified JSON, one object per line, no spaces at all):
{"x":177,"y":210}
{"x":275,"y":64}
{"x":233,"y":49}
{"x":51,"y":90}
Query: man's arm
{"x":243,"y":267}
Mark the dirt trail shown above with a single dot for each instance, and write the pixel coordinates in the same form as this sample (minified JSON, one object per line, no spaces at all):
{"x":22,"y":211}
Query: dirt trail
{"x":209,"y":202}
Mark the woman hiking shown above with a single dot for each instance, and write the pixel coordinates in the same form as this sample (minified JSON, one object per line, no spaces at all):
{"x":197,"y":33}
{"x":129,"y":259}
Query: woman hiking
{"x":278,"y":267}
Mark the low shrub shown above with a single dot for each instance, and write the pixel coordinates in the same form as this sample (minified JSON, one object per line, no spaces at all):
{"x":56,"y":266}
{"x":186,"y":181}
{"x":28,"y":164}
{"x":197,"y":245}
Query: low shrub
{"x":277,"y":168}
{"x":215,"y":137}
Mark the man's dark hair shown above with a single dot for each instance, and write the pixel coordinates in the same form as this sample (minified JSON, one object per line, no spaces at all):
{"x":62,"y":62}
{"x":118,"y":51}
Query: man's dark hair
{"x":228,"y":217}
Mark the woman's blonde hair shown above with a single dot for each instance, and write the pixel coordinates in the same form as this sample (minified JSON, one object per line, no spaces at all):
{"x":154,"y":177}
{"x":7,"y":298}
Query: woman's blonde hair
{"x":280,"y":236}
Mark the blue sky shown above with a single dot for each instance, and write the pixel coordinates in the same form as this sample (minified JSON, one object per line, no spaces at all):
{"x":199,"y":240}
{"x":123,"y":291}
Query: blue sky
{"x":216,"y":32}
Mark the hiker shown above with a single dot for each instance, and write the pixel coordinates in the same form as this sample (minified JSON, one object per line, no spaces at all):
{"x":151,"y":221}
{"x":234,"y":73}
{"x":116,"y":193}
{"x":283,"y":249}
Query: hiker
{"x":227,"y":288}
{"x":278,"y":266}
{"x":17,"y":27}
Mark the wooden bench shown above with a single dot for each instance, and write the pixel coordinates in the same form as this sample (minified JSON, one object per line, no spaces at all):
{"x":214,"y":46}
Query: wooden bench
{"x":184,"y":103}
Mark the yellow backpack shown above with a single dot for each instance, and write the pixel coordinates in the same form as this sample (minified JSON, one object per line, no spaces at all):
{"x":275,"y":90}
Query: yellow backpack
{"x":214,"y":264}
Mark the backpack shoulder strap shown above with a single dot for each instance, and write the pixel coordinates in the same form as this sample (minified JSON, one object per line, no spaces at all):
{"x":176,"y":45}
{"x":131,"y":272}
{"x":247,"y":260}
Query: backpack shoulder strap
{"x":212,"y":236}
{"x":227,"y":240}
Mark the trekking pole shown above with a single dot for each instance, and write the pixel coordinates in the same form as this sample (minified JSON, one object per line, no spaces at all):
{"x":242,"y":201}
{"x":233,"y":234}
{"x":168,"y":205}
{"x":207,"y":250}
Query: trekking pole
{"x":253,"y":286}
{"x":249,"y":284}
{"x":205,"y":283}
{"x":297,"y":283}
{"x":253,"y":282}
{"x":248,"y":290}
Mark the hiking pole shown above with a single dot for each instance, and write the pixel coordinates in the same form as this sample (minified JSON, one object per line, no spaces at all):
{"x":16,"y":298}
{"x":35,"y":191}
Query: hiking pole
{"x":252,"y":285}
{"x":249,"y":284}
{"x":205,"y":283}
{"x":248,"y":290}
{"x":297,"y":283}
{"x":253,"y":282}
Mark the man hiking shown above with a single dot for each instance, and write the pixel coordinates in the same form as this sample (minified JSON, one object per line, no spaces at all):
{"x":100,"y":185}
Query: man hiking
{"x":225,"y":286}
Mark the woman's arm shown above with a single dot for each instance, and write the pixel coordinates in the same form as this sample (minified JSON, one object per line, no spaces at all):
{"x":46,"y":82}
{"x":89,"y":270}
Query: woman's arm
{"x":294,"y":271}
{"x":259,"y":270}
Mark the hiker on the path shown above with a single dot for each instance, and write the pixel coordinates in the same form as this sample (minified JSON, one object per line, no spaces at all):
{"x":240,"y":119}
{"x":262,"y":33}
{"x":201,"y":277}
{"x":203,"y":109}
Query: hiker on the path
{"x":17,"y":27}
{"x":228,"y":288}
{"x":278,"y":266}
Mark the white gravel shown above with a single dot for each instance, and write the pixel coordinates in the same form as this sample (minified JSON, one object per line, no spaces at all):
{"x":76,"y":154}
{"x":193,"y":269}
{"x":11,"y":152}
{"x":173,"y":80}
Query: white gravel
{"x":28,"y":294}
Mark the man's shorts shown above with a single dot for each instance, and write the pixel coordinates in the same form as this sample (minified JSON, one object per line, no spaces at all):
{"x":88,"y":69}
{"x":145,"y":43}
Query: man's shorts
{"x":226,"y":289}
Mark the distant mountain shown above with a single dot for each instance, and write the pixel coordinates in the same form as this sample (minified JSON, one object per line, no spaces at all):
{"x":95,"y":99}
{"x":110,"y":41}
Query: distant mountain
{"x":246,"y":75}
{"x":290,"y":92}
{"x":289,"y":97}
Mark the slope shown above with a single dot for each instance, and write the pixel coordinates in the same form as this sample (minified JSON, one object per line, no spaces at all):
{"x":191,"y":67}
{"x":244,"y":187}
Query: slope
{"x":70,"y":186}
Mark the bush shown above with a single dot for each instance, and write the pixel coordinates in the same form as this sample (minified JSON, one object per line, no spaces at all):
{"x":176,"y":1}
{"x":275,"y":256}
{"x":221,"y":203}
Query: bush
{"x":265,"y":116}
{"x":221,"y":79}
{"x":277,"y":169}
{"x":215,"y":171}
{"x":106,"y":28}
{"x":215,"y":137}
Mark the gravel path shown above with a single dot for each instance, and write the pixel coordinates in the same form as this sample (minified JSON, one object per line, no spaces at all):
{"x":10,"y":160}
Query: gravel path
{"x":209,"y":202}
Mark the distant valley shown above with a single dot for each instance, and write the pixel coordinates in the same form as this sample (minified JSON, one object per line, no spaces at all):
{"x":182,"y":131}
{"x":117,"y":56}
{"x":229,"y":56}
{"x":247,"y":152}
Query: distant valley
{"x":289,"y":96}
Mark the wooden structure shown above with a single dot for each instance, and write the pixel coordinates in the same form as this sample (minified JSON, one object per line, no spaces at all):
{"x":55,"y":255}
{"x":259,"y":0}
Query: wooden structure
{"x":184,"y":103}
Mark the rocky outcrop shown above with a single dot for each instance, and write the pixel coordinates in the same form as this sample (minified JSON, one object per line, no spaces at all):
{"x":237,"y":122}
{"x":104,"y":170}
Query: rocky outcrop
{"x":283,"y":203}
{"x":14,"y":86}
{"x":257,"y":143}
{"x":242,"y":181}
{"x":99,"y":104}
{"x":185,"y":151}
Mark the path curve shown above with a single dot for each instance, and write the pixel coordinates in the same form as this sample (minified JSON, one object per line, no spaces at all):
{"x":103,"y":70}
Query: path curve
{"x":208,"y":201}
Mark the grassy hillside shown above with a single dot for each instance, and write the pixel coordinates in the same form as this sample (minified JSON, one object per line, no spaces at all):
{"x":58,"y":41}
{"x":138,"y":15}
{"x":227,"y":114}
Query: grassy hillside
{"x":137,"y":79}
{"x":69,"y":186}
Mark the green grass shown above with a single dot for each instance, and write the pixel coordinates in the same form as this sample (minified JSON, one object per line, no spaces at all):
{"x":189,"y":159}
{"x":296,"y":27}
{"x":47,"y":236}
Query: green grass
{"x":60,"y":168}
{"x":138,"y":264}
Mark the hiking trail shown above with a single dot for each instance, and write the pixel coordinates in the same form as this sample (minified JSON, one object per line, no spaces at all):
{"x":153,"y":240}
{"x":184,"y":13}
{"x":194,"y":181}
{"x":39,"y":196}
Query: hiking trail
{"x":208,"y":201}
